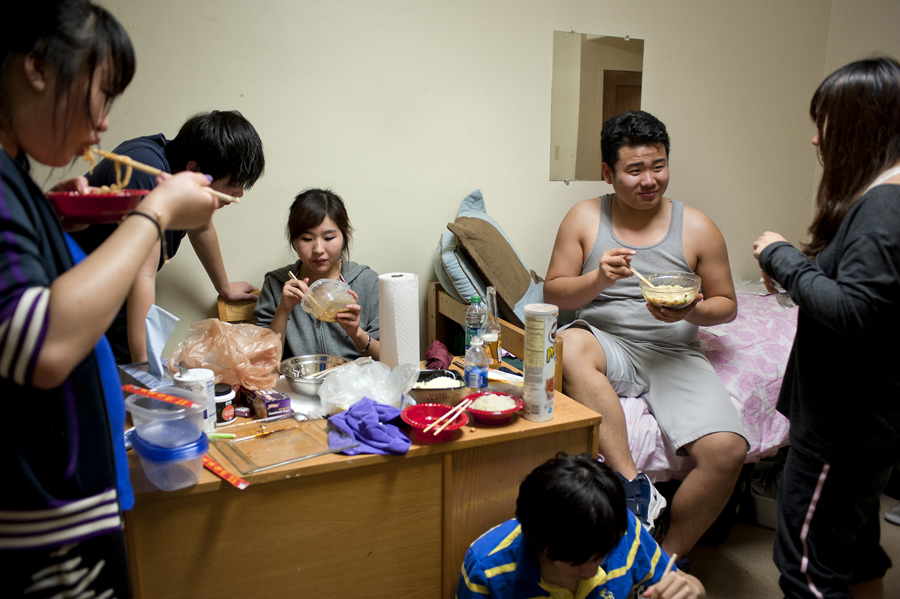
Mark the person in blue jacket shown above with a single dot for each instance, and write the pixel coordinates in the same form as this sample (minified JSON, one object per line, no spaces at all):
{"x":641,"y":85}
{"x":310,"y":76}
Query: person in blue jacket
{"x":572,"y":536}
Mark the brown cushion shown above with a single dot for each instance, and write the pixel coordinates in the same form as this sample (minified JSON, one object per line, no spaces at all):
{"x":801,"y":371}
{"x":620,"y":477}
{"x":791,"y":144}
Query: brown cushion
{"x":498,"y":262}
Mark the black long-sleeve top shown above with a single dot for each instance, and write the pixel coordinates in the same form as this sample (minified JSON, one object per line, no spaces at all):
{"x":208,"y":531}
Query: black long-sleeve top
{"x":841,"y":389}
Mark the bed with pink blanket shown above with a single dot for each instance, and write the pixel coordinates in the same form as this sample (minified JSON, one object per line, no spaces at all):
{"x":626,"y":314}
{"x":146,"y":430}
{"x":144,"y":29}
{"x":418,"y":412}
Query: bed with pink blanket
{"x":749,"y":355}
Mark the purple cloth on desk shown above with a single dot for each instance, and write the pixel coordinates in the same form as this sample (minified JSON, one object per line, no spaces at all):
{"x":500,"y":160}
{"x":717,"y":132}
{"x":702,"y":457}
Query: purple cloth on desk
{"x":366,"y":421}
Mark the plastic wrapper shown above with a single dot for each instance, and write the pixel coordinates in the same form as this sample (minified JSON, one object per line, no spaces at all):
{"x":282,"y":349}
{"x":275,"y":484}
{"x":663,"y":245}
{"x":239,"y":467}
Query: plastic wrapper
{"x":238,"y":354}
{"x":374,"y":380}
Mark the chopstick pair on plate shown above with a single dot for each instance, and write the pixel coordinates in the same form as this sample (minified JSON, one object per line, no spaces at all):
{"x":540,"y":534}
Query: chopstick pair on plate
{"x":144,"y":168}
{"x":448,"y":417}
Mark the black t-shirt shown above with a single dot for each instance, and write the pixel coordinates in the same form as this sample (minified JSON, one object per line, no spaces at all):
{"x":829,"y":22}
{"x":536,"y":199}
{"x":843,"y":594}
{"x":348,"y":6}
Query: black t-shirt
{"x":150,"y":150}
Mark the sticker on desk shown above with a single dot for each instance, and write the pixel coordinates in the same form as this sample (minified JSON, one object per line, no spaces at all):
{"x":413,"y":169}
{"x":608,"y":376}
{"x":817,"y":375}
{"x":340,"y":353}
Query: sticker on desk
{"x":214,"y":467}
{"x":178,"y":401}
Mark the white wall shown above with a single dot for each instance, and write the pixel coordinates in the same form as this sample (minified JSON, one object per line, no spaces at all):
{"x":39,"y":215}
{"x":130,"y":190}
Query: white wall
{"x":404,"y":107}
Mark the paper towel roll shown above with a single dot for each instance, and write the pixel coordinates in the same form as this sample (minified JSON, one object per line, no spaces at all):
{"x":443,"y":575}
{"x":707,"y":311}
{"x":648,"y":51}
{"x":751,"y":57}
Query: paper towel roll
{"x":398,"y":316}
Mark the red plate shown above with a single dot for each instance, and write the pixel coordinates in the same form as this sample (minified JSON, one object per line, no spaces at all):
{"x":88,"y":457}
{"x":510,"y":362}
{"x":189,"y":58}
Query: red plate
{"x":96,"y":208}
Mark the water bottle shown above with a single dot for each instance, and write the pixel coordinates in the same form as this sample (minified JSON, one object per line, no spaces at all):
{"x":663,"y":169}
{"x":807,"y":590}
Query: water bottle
{"x":476,"y":368}
{"x":492,"y":334}
{"x":476,"y":317}
{"x":783,"y":297}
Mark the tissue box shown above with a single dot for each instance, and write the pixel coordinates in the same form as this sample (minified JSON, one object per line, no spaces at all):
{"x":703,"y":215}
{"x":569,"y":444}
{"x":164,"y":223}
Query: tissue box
{"x":266,"y":404}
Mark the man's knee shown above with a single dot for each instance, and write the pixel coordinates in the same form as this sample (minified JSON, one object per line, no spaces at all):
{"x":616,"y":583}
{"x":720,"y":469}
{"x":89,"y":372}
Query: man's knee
{"x":723,"y":452}
{"x":583,"y":352}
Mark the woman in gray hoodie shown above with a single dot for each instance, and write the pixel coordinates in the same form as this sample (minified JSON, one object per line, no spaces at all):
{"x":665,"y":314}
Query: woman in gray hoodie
{"x":319,"y":230}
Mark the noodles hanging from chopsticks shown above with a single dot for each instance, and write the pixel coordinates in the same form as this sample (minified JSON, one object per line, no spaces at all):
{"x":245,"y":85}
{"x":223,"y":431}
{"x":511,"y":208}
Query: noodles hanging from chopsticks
{"x":121,"y":183}
{"x":89,"y":158}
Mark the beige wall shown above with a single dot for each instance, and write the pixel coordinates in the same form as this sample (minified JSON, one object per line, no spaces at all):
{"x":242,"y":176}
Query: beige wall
{"x":405,"y":106}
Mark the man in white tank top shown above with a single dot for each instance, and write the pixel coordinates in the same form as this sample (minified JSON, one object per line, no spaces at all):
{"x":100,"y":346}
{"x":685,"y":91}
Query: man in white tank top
{"x":623,"y":346}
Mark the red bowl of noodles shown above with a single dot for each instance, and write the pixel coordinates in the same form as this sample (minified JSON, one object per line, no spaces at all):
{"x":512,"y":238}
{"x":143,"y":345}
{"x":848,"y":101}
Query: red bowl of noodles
{"x":97,"y":207}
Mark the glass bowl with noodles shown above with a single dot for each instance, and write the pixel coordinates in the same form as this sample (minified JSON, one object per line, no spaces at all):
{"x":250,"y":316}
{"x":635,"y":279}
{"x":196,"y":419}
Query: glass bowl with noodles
{"x":107,"y":204}
{"x":326,"y":298}
{"x":672,"y":290}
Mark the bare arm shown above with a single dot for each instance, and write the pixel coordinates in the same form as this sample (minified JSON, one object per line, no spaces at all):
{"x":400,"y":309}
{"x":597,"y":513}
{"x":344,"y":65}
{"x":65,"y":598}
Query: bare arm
{"x":84,"y":300}
{"x":565,"y":286}
{"x":704,"y":241}
{"x":206,"y":244}
{"x":140,"y":298}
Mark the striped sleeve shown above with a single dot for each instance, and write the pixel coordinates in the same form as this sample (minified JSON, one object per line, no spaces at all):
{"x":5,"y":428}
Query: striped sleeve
{"x":472,"y":579}
{"x":22,"y":334}
{"x":24,"y":280}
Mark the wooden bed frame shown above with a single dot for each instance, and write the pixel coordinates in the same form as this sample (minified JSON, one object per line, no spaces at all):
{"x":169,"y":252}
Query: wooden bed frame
{"x":442,"y":306}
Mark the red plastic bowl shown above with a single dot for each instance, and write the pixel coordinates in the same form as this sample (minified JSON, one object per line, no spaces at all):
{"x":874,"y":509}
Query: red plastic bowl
{"x":494,"y":417}
{"x":96,"y":208}
{"x":421,"y":415}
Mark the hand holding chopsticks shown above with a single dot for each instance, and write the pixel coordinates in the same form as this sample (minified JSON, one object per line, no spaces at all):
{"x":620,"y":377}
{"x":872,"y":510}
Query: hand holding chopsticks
{"x":140,"y":166}
{"x":448,"y":417}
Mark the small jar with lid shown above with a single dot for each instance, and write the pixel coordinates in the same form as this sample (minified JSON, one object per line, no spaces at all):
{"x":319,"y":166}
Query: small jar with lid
{"x":224,"y":404}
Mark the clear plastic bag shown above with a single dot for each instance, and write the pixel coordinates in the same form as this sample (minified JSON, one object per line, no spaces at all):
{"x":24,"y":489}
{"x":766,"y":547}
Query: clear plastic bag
{"x":374,"y":380}
{"x":239,"y":354}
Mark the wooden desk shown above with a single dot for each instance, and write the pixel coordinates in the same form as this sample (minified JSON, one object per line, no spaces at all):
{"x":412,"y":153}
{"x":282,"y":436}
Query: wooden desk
{"x":338,"y":526}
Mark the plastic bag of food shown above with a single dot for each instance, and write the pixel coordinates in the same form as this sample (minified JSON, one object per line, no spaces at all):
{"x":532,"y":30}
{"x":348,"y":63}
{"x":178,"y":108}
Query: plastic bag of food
{"x":239,"y":354}
{"x":374,"y":380}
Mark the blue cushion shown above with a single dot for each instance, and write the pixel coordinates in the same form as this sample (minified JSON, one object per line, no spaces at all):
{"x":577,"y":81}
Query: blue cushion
{"x":454,"y":271}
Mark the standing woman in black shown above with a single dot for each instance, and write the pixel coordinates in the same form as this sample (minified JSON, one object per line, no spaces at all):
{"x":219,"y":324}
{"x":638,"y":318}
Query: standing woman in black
{"x":841,"y":390}
{"x":65,"y":477}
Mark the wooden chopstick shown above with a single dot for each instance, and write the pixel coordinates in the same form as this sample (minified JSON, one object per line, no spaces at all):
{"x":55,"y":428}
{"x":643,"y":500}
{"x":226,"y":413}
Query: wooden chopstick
{"x":640,"y":276}
{"x":456,"y":412}
{"x":440,"y":418}
{"x":671,"y":563}
{"x":140,"y":166}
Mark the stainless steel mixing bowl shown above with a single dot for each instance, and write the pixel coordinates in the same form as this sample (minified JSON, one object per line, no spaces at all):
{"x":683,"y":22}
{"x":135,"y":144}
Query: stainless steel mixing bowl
{"x":299,"y":369}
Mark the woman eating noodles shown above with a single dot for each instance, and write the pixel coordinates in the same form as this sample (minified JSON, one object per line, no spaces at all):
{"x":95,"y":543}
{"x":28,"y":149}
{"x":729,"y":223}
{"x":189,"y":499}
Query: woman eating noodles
{"x":319,"y":231}
{"x":61,"y":64}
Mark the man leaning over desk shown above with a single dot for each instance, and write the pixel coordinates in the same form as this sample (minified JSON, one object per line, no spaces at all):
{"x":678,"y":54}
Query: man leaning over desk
{"x":623,"y":346}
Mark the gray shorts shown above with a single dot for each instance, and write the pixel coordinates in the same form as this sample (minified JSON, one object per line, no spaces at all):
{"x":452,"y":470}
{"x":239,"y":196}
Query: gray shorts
{"x":679,"y":385}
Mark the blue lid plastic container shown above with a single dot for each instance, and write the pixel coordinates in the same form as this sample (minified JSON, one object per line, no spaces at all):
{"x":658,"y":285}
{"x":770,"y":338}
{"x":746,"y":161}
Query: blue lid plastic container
{"x":148,"y":413}
{"x":171,"y":468}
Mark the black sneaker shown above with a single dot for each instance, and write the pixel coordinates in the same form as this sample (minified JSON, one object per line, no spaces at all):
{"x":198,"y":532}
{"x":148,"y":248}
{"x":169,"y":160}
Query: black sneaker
{"x":643,"y":500}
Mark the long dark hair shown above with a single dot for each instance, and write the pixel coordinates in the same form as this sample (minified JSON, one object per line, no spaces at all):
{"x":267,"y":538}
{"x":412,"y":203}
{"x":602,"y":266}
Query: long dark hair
{"x":310,"y":208}
{"x":857,"y":113}
{"x":73,"y":37}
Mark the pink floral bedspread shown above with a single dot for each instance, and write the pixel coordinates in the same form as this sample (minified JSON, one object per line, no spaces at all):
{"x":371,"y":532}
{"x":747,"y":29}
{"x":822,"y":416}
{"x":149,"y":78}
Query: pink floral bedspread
{"x":750,"y":355}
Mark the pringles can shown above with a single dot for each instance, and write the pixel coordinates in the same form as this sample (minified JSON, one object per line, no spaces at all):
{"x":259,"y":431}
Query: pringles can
{"x":540,"y":361}
{"x":200,"y":381}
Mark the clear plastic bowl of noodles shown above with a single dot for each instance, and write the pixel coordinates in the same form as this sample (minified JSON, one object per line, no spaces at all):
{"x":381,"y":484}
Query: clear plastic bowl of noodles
{"x":326,"y":298}
{"x":672,"y":290}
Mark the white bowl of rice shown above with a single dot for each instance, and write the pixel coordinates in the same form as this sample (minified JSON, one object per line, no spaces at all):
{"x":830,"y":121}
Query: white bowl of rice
{"x":493,"y":407}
